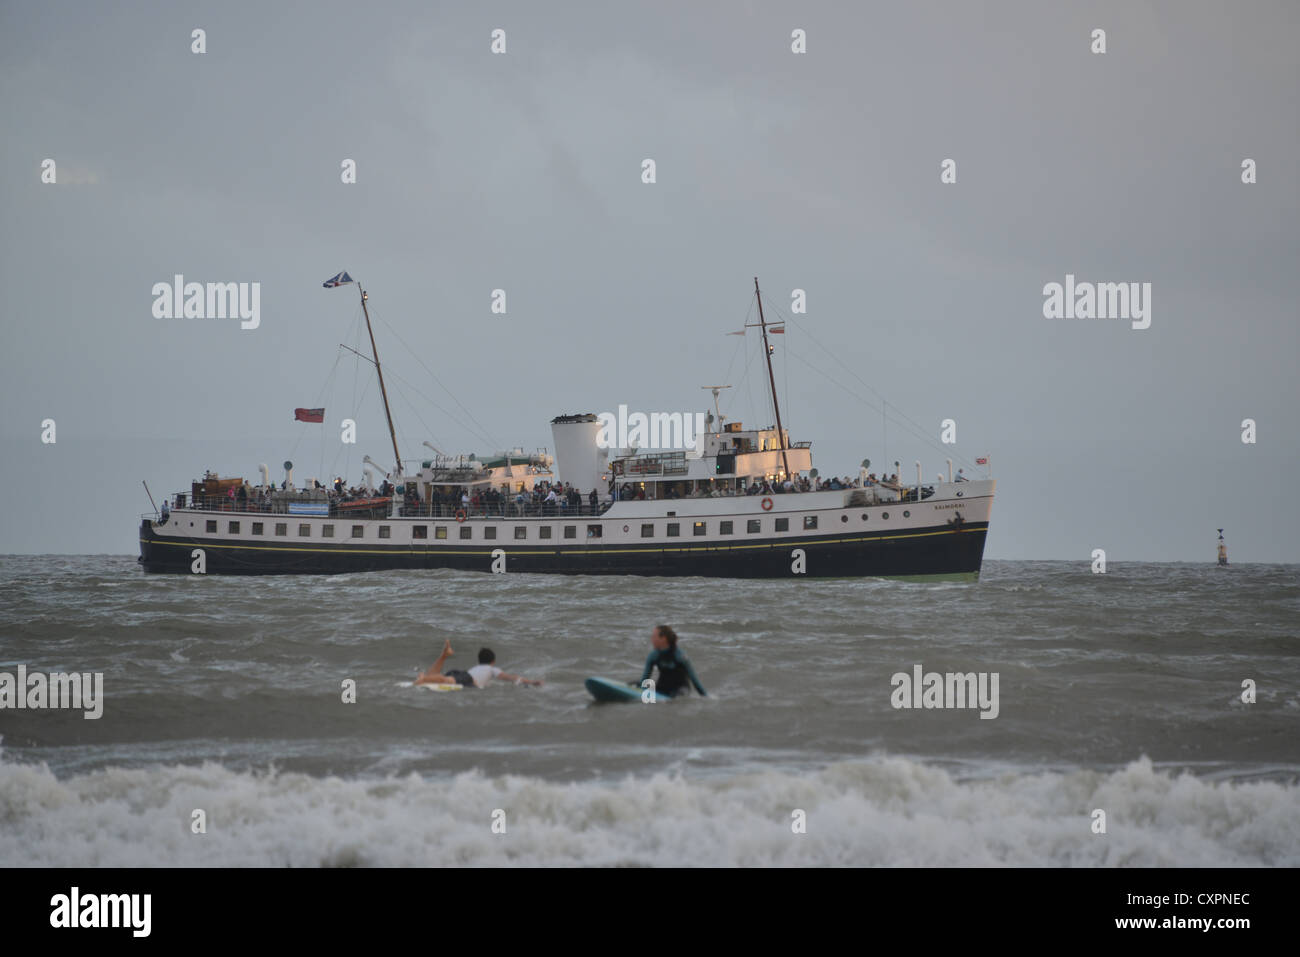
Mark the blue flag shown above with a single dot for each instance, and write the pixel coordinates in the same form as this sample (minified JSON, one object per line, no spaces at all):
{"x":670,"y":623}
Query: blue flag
{"x":338,"y":280}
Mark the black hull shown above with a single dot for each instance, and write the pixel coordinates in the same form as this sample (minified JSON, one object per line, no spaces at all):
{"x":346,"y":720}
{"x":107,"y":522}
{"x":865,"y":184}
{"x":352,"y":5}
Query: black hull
{"x":925,"y":553}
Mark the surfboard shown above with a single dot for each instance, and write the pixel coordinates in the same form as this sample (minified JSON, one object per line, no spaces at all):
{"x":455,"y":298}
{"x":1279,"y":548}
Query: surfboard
{"x":408,"y":684}
{"x":602,"y":689}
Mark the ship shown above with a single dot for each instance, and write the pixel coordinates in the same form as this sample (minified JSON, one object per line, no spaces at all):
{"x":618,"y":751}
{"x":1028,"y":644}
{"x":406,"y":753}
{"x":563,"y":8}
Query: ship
{"x":739,"y":503}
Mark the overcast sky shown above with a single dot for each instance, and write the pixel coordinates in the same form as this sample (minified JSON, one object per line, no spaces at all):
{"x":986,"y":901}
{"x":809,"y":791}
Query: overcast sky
{"x":523,"y":171}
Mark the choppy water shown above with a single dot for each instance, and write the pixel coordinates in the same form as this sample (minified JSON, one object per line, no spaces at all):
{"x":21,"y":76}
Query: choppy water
{"x":1119,"y":691}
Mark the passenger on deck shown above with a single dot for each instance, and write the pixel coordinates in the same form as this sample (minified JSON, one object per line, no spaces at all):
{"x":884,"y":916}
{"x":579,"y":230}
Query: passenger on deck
{"x":961,"y":476}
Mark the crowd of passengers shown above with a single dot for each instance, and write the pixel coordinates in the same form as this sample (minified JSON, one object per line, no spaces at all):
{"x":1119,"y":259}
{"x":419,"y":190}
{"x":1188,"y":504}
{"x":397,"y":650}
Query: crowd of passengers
{"x":545,"y":498}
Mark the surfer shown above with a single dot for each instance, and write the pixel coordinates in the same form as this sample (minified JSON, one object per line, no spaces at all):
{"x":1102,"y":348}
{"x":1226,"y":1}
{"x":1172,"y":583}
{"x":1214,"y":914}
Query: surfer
{"x":476,"y":677}
{"x":674,"y":669}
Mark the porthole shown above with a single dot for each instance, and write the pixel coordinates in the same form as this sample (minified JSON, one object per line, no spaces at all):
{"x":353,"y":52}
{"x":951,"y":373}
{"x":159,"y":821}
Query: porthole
{"x":906,"y":514}
{"x":884,"y":515}
{"x":959,"y":494}
{"x":845,"y":518}
{"x":864,"y":516}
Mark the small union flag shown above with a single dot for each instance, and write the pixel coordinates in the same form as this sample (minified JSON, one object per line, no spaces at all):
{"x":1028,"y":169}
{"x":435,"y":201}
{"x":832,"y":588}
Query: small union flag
{"x":979,"y":461}
{"x":309,"y":415}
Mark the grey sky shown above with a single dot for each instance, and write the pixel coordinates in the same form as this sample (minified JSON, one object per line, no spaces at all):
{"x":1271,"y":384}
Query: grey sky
{"x":817,"y":171}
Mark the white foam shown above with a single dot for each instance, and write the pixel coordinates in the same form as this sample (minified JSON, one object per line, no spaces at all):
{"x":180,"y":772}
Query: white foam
{"x":890,"y":811}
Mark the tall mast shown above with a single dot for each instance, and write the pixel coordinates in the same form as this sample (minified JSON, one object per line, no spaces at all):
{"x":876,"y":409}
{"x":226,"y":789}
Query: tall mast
{"x":767,"y":352}
{"x":382,"y":391}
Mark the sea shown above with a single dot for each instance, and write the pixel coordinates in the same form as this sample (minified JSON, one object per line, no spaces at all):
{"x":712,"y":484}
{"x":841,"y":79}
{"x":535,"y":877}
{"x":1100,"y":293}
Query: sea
{"x":1148,"y":716}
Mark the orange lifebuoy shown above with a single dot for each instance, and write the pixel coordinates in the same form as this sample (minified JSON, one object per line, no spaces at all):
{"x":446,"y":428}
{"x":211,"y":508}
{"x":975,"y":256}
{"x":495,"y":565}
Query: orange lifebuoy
{"x":767,"y":504}
{"x":460,"y":515}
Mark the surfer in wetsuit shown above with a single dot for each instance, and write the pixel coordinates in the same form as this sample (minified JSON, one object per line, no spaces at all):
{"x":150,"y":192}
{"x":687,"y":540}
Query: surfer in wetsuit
{"x":476,"y":677}
{"x":674,"y":670}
